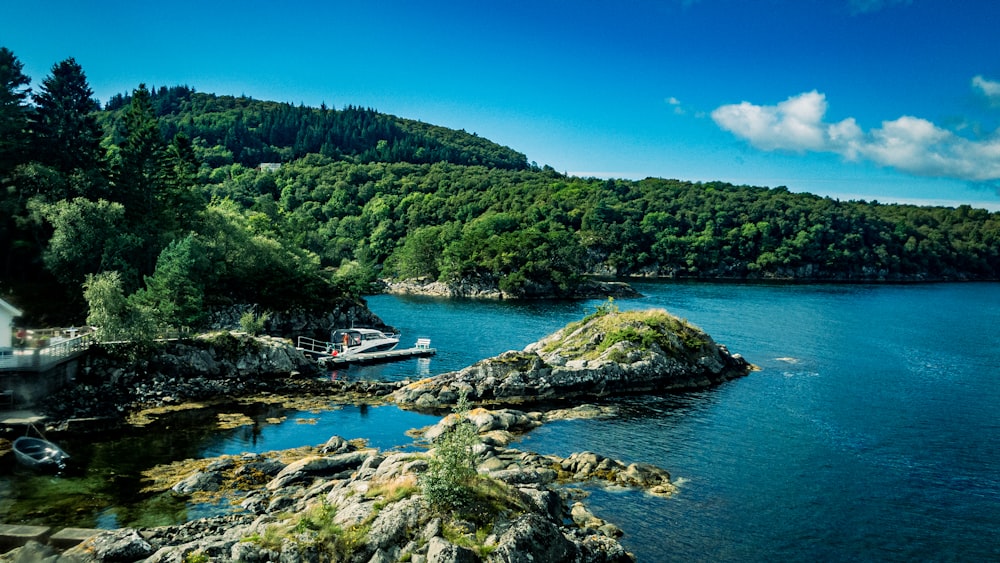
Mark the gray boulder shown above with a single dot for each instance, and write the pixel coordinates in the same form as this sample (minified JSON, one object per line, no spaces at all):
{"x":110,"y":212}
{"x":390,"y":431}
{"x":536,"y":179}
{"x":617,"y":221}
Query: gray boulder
{"x":440,"y":550}
{"x":532,"y":538}
{"x":123,"y":545}
{"x":201,"y":481}
{"x":315,"y":466}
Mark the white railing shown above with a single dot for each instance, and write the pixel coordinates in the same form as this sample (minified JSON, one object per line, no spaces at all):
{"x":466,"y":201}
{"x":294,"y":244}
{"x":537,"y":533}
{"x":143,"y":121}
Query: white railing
{"x":57,"y":350}
{"x":314,"y":346}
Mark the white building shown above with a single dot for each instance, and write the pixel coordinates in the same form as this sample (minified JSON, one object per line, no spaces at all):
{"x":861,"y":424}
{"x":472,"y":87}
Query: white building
{"x":7,"y":314}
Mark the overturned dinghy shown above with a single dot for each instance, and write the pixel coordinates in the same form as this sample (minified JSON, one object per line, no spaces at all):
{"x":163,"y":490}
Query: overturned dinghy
{"x":40,"y":454}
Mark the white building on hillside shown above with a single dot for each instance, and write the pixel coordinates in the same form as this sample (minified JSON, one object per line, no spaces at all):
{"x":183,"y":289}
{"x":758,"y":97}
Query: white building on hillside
{"x":7,"y":314}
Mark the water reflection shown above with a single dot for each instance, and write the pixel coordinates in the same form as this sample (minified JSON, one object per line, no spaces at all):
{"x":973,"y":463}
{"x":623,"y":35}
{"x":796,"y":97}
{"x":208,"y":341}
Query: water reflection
{"x":102,"y":487}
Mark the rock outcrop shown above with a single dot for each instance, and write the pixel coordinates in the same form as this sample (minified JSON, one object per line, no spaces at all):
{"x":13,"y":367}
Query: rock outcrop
{"x":608,"y":353}
{"x":345,"y":502}
{"x":116,"y":380}
{"x":346,"y":312}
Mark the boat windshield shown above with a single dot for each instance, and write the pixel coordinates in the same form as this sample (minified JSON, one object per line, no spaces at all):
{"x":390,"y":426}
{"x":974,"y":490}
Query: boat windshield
{"x":346,"y":337}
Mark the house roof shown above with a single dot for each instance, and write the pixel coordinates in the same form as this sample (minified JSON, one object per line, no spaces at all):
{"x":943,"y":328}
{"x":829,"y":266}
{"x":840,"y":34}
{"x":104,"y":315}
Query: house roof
{"x":12,"y":310}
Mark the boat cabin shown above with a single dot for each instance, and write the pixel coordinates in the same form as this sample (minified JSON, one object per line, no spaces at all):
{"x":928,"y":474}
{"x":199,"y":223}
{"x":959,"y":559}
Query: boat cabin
{"x":362,"y":340}
{"x":346,"y":338}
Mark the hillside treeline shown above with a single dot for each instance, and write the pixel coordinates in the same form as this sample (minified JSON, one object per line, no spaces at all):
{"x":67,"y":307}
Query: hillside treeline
{"x":155,"y":208}
{"x":241,"y":130}
{"x":537,"y":231}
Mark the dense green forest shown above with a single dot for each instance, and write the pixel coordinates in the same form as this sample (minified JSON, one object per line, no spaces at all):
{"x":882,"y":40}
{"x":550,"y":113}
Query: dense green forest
{"x":168,"y":203}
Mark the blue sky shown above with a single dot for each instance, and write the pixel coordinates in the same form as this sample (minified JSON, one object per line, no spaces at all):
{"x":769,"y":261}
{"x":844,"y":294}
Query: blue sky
{"x":888,"y":100}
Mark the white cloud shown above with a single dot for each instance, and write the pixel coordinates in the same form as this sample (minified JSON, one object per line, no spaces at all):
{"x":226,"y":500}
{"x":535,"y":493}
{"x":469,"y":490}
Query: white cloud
{"x":909,"y":144}
{"x":676,"y":105}
{"x":795,"y":124}
{"x":989,"y":88}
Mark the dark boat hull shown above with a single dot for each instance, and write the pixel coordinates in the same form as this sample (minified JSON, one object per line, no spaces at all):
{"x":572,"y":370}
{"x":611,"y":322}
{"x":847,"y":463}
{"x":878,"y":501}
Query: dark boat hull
{"x":39,"y":454}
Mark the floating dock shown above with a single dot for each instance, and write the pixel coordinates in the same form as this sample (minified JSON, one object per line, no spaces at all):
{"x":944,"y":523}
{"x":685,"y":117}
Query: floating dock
{"x":375,"y":357}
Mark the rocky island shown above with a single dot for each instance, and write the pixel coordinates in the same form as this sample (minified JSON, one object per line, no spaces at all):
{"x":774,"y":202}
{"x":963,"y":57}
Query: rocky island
{"x":607,"y":353}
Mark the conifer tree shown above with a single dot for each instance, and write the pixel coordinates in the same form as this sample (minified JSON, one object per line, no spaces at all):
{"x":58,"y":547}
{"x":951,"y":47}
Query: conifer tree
{"x":14,"y":116}
{"x":180,"y":198}
{"x":67,"y":136}
{"x":140,"y":155}
{"x":14,"y":112}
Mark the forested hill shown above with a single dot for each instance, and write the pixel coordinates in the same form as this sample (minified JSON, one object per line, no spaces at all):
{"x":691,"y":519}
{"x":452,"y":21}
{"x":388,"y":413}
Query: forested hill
{"x":154,"y":211}
{"x":533,"y":232}
{"x":242,"y":130}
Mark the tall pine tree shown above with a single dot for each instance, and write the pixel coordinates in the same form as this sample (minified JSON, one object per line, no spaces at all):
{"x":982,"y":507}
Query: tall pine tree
{"x":137,"y":176}
{"x":67,"y":136}
{"x":180,"y":197}
{"x":14,"y":112}
{"x":14,"y":122}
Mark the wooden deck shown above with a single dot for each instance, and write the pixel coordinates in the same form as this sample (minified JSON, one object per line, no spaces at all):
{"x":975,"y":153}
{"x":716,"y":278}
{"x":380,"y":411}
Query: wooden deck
{"x":42,"y":359}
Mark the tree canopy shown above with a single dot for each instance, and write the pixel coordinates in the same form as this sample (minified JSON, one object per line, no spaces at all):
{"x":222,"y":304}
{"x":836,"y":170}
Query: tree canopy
{"x":169,"y":203}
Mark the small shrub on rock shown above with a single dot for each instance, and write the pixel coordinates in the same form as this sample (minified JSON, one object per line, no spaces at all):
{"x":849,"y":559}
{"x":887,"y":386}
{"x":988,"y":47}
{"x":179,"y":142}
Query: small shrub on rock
{"x":451,"y":473}
{"x":253,"y":324}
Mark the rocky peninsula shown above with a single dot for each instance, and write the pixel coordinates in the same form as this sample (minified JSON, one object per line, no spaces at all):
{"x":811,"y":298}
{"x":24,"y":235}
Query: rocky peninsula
{"x":607,"y":353}
{"x":342,"y":501}
{"x":460,"y":494}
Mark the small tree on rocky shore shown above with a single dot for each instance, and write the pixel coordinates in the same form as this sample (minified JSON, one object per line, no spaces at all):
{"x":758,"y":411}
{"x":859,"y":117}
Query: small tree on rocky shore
{"x":253,"y":324}
{"x":448,"y":485}
{"x":116,"y":317}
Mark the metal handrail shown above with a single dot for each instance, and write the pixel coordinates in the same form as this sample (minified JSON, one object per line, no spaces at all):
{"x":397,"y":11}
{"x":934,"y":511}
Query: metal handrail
{"x":43,"y":358}
{"x":314,"y":346}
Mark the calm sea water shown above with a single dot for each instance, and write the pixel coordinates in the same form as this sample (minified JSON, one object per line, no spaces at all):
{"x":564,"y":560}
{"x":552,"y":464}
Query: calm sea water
{"x":872,"y":431}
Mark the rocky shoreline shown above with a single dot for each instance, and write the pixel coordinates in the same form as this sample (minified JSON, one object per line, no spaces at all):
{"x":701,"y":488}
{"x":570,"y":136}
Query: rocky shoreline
{"x":343,"y":501}
{"x":490,"y":289}
{"x":117,"y":385}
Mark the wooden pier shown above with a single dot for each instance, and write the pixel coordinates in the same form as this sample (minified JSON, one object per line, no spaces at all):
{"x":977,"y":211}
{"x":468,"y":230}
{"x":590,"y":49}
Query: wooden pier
{"x":376,"y":357}
{"x":41,"y":359}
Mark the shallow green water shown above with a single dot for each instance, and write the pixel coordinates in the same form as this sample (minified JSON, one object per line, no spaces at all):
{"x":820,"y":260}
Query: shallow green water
{"x":102,"y":486}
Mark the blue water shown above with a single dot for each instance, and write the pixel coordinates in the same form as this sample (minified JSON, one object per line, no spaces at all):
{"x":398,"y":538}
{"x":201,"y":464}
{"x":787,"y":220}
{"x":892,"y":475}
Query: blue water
{"x":382,"y":427}
{"x":872,"y":431}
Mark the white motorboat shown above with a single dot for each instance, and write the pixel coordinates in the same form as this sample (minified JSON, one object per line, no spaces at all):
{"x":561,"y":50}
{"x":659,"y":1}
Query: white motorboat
{"x":347,"y":341}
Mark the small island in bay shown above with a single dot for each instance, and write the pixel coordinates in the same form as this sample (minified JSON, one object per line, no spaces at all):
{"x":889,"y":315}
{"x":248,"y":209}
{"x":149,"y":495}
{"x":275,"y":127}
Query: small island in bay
{"x":608,"y":353}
